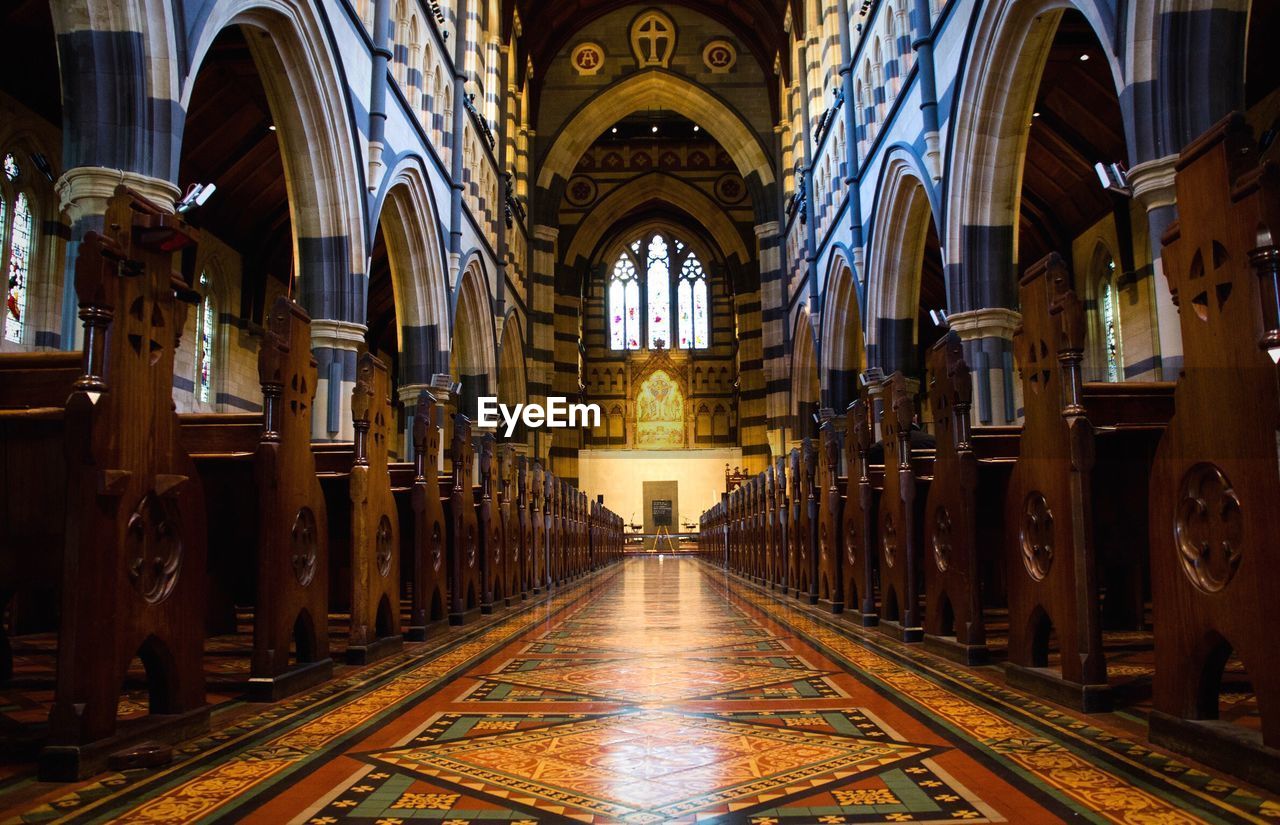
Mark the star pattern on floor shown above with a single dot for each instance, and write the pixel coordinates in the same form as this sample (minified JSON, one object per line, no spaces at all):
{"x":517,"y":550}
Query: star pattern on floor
{"x":649,"y":766}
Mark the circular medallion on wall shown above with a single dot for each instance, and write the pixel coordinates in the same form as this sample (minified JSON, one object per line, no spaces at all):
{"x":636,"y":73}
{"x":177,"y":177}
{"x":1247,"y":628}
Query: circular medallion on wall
{"x":587,"y":59}
{"x":581,"y":191}
{"x":720,"y":56}
{"x":730,"y":188}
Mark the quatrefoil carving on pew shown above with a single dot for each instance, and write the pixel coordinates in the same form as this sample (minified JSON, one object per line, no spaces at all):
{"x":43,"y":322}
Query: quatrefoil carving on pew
{"x":1208,"y":528}
{"x":1038,"y":365}
{"x":1036,"y":535}
{"x":384,"y":548}
{"x":852,"y":537}
{"x":146,"y":335}
{"x":1220,"y":291}
{"x":303,"y":538}
{"x":942,"y":538}
{"x":437,"y":546}
{"x":153,"y":547}
{"x":889,"y":540}
{"x":298,"y":403}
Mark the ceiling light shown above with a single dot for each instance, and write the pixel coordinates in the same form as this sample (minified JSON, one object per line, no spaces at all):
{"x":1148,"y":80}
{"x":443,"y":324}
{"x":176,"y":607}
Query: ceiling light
{"x":614,"y":130}
{"x":271,"y":127}
{"x":1035,"y":114}
{"x":1084,"y":57}
{"x":654,"y":130}
{"x":696,"y":127}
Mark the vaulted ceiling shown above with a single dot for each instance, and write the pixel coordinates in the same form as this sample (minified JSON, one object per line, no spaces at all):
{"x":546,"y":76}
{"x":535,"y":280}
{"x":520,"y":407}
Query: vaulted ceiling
{"x":1077,"y":123}
{"x":228,"y":140}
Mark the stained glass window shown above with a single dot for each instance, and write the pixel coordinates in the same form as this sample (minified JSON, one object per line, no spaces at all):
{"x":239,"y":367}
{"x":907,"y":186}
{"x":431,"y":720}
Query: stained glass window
{"x":19,"y":262}
{"x":624,"y":305}
{"x":205,"y":319}
{"x":653,"y":261}
{"x":1111,"y":323}
{"x":10,"y":167}
{"x":692,"y":298}
{"x":659,"y":288}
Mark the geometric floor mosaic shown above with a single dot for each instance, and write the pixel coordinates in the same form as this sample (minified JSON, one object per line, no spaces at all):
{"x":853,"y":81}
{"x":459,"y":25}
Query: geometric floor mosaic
{"x":655,"y":692}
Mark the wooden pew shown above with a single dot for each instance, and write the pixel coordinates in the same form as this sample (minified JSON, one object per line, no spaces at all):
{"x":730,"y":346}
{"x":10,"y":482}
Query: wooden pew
{"x":899,"y":517}
{"x":375,"y":521}
{"x":580,"y":541}
{"x":830,"y":579}
{"x":962,"y":529}
{"x":1214,"y":519}
{"x":859,"y":519}
{"x":123,"y":539}
{"x":429,"y":602}
{"x":758,"y":521}
{"x":512,"y":528}
{"x":465,"y":586}
{"x":493,"y":550}
{"x":809,"y":517}
{"x":734,"y":528}
{"x":551,"y":535}
{"x":259,"y":473}
{"x":781,"y":527}
{"x":538,"y":519}
{"x":1054,"y":550}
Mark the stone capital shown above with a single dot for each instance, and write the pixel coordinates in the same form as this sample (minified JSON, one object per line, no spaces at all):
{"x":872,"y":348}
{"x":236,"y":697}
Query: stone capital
{"x":409,"y":393}
{"x":543,"y":232}
{"x":768,"y":230}
{"x":342,"y":335}
{"x":1153,"y":182}
{"x":992,"y":322}
{"x":84,"y":190}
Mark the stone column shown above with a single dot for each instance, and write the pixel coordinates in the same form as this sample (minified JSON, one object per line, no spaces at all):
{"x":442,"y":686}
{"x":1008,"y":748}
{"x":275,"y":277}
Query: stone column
{"x":773,"y":326}
{"x":82,"y":194}
{"x":987,"y":336}
{"x":336,"y":345}
{"x":1153,"y":186}
{"x":542,"y":350}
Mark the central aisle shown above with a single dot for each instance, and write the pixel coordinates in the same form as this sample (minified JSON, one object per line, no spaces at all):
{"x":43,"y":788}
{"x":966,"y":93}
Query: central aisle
{"x":659,"y":691}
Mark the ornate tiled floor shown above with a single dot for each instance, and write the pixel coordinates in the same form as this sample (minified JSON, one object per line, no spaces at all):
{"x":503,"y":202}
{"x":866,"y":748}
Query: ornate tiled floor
{"x":658,"y":692}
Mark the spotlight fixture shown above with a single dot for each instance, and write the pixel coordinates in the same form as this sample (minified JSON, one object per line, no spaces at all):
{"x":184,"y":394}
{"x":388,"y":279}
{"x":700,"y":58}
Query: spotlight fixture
{"x":1035,"y":114}
{"x":614,"y":130}
{"x":697,"y":128}
{"x":271,"y":127}
{"x":654,"y":129}
{"x":1084,"y":57}
{"x":1113,"y":178}
{"x":196,"y":195}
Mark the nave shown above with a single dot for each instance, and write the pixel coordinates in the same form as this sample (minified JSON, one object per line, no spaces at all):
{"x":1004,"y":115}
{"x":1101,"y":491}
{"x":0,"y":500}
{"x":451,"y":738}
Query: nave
{"x":658,"y":690}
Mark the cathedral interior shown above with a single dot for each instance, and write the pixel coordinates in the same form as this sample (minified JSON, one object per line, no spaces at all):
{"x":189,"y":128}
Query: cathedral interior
{"x":927,"y":355}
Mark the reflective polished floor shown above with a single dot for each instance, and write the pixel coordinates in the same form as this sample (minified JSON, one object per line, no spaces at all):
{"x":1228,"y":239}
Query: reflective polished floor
{"x":661,"y":691}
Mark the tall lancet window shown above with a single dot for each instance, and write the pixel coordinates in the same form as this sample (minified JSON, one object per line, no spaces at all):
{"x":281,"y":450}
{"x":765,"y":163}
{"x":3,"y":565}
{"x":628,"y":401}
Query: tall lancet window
{"x":16,"y":231}
{"x":206,"y":318}
{"x":1110,"y":321}
{"x":624,"y":305}
{"x":659,"y":283}
{"x":692,"y":300}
